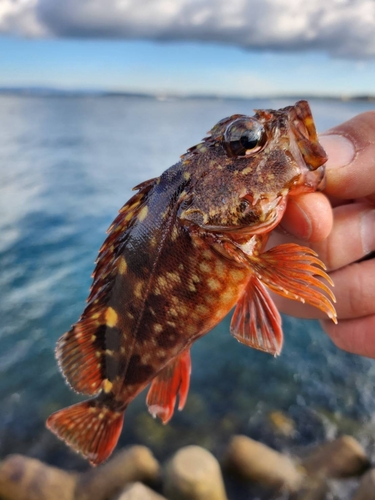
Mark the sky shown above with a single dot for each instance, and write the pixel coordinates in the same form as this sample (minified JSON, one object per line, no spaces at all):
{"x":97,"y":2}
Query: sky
{"x":237,"y":47}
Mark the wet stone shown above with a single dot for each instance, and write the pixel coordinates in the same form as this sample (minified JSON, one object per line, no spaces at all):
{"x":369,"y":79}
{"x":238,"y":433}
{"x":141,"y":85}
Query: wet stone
{"x":193,"y":473}
{"x":256,"y":462}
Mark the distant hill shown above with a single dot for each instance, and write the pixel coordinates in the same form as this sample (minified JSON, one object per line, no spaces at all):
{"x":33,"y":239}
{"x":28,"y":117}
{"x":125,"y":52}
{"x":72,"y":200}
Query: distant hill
{"x":55,"y":92}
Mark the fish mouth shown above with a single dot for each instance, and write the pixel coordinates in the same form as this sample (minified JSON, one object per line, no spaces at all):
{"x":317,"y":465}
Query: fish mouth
{"x":313,"y":155}
{"x":303,"y":128}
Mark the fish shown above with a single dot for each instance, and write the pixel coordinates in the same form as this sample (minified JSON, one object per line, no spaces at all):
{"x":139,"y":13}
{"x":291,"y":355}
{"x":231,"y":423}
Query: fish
{"x":185,"y":250}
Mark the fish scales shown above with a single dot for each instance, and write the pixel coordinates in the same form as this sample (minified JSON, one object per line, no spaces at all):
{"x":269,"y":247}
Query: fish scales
{"x":186,"y":249}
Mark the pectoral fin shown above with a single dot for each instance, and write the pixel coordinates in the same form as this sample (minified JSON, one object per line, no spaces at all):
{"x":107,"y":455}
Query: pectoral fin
{"x":173,"y":380}
{"x":290,"y":270}
{"x":256,"y":322}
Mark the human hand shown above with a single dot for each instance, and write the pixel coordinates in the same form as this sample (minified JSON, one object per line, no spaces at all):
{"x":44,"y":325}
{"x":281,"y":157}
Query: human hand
{"x":340,"y":227}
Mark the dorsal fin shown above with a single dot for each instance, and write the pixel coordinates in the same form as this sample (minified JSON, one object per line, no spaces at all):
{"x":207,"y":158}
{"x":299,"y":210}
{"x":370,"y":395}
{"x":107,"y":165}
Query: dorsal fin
{"x":78,"y":349}
{"x":107,"y":260}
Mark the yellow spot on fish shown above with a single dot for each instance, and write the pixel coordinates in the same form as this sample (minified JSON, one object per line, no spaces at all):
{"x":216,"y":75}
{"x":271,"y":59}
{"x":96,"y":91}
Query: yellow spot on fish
{"x":237,"y":274}
{"x":195,"y":278}
{"x":146,"y":357}
{"x":138,"y":289}
{"x":153,"y":241}
{"x":93,"y":338}
{"x":175,"y":277}
{"x":174,"y":233}
{"x":101,"y":416}
{"x":205,"y":267}
{"x":213,"y":284}
{"x":228,"y":295}
{"x":246,"y":170}
{"x":130,"y":315}
{"x":122,"y":266}
{"x":122,"y":350}
{"x":183,"y":310}
{"x":191,"y":287}
{"x":108,"y":352}
{"x":143,"y":213}
{"x":172,"y":324}
{"x":129,"y":216}
{"x":158,"y":328}
{"x":207,"y":254}
{"x":220,"y":268}
{"x":173,"y":312}
{"x":95,"y":316}
{"x":201,"y":309}
{"x":162,"y":281}
{"x":107,"y":385}
{"x":187,"y":176}
{"x":111,"y":317}
{"x":98,"y":354}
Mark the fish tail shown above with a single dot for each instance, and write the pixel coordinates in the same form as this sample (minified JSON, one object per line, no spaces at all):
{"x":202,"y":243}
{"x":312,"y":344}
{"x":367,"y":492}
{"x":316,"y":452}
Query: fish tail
{"x":90,"y":428}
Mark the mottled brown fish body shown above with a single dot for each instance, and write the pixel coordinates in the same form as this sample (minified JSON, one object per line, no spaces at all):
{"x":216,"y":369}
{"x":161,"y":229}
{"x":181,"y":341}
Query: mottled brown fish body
{"x":186,"y":249}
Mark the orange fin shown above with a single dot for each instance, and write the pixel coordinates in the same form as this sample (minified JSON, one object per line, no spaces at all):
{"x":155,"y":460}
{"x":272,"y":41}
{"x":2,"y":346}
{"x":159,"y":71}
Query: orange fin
{"x":108,"y":260}
{"x":290,"y":271}
{"x":76,"y":354}
{"x":88,"y":428}
{"x":172,"y":380}
{"x":256,"y":322}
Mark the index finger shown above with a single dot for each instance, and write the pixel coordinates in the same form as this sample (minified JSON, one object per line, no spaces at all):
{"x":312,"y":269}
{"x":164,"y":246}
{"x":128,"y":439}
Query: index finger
{"x":351,"y":157}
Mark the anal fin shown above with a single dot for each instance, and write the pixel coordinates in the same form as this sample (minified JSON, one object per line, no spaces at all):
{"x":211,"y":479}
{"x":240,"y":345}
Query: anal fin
{"x":173,"y":380}
{"x":256,"y":321}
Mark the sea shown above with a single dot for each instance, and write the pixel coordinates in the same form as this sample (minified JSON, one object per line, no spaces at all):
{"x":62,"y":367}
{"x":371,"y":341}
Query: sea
{"x":67,"y":165}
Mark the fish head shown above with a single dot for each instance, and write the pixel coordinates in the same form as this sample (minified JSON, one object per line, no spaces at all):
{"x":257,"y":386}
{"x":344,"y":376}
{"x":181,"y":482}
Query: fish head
{"x":241,"y":174}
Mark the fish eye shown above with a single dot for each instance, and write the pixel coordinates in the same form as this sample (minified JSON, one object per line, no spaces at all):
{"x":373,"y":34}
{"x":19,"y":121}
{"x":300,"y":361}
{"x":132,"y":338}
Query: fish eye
{"x":243,"y":137}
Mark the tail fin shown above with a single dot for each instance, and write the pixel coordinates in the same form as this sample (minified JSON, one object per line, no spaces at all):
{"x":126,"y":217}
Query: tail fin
{"x":88,"y":428}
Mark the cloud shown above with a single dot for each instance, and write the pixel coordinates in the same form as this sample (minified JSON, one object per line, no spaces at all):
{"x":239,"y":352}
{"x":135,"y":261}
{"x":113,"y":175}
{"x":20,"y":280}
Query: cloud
{"x":344,"y":28}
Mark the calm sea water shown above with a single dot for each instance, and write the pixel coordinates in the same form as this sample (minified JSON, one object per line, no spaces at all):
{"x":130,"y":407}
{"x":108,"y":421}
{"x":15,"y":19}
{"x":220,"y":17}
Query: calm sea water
{"x":66,"y":166}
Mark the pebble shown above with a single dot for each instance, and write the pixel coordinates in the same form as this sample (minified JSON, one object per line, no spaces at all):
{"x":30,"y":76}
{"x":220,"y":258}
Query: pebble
{"x":24,"y":478}
{"x":193,"y":473}
{"x":254,"y":461}
{"x":138,"y":491}
{"x":129,"y":465}
{"x":342,"y":458}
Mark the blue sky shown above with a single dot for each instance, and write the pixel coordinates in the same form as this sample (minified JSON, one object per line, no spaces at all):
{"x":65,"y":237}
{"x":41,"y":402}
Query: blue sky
{"x":55,"y":43}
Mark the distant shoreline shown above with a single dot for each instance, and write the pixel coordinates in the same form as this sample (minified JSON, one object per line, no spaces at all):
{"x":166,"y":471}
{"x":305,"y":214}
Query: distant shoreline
{"x":52,"y":92}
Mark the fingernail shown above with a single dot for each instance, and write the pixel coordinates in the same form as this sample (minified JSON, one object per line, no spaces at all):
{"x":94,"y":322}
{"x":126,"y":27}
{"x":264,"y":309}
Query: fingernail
{"x":367,"y":231}
{"x":340,"y":150}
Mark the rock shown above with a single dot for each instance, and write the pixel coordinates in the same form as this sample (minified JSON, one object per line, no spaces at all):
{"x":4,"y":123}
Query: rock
{"x":341,"y":458}
{"x":193,"y":473}
{"x":366,"y":490}
{"x":24,"y":478}
{"x":254,"y":461}
{"x":138,"y":491}
{"x":313,"y":488}
{"x":130,"y":465}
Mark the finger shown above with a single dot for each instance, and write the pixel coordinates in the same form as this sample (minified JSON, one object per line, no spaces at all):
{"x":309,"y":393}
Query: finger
{"x":353,"y":335}
{"x":308,"y":217}
{"x":351,"y":152}
{"x":352,"y":236}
